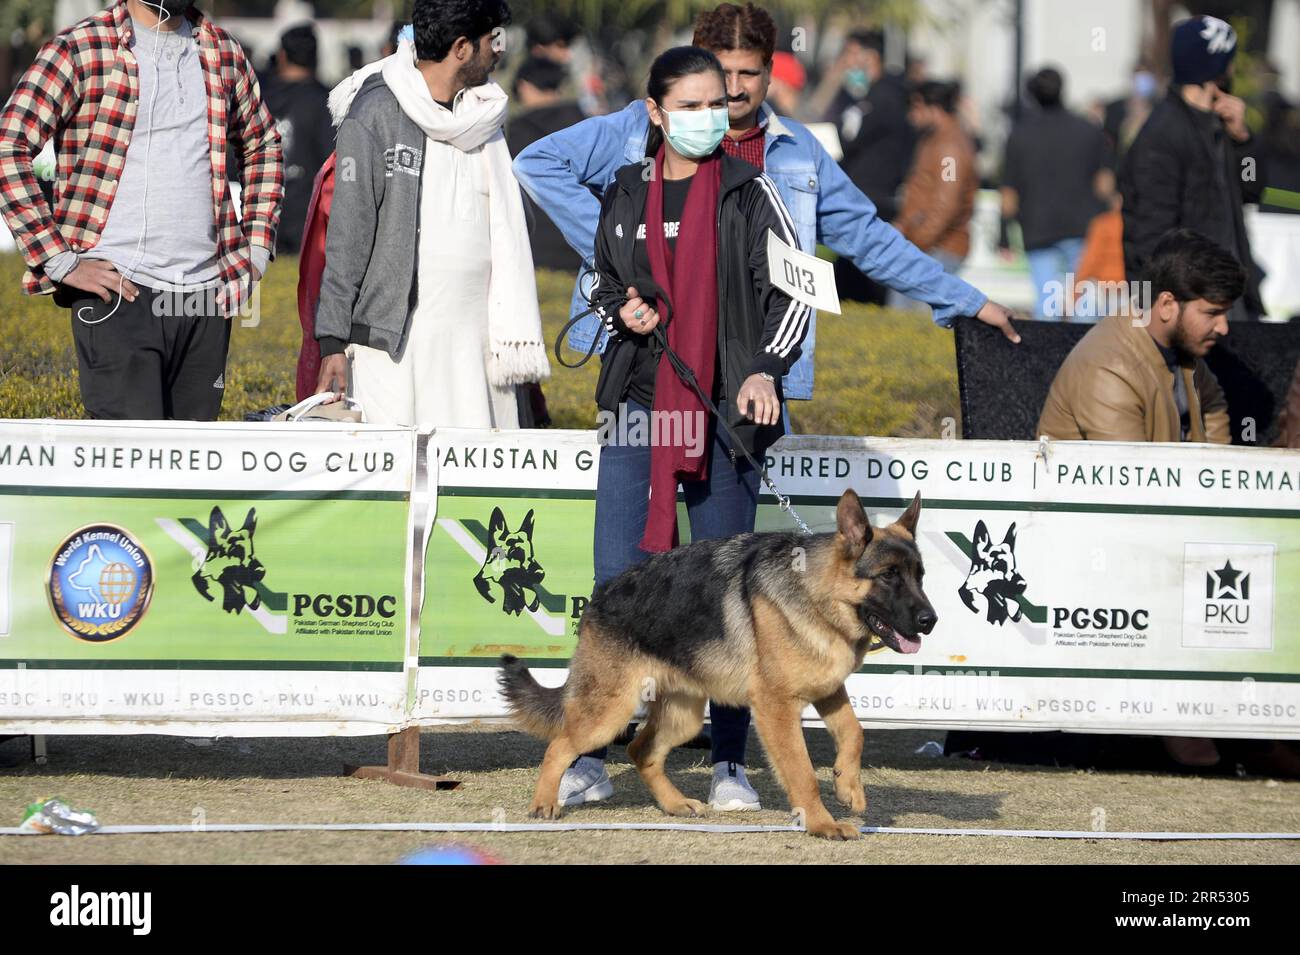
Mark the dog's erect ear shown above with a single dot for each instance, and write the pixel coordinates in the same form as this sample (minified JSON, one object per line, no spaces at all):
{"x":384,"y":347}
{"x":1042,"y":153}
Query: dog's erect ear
{"x":526,"y":528}
{"x":907,"y":520}
{"x":981,"y":541}
{"x":497,"y":526}
{"x":250,"y":522}
{"x":1010,"y":539}
{"x":217,"y":526}
{"x":852,"y":524}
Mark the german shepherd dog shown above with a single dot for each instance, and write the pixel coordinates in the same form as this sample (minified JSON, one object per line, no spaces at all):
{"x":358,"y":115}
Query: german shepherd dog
{"x":230,"y":562}
{"x":510,"y":566}
{"x":771,"y":621}
{"x":993,"y":583}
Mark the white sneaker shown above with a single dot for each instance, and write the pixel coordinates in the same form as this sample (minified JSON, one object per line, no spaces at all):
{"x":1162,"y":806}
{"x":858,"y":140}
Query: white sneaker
{"x":585,"y":781}
{"x":731,"y":791}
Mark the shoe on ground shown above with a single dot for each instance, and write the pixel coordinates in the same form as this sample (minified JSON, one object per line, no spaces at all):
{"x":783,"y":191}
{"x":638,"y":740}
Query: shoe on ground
{"x":731,"y":791}
{"x":585,"y":781}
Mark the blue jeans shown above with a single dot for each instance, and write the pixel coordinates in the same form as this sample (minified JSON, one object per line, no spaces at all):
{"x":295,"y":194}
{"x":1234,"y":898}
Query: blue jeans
{"x":723,"y":505}
{"x":1050,"y":265}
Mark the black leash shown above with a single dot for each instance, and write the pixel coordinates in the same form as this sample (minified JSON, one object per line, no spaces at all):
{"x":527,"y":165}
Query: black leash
{"x":687,"y":375}
{"x":564,"y":333}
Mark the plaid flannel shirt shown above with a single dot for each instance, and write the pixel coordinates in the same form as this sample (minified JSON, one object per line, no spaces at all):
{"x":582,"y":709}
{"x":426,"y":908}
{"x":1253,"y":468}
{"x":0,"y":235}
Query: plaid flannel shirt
{"x":83,"y":90}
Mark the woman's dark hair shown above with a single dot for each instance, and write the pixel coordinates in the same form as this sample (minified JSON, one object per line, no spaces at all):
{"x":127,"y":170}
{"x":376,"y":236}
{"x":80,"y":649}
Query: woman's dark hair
{"x":1189,"y":266}
{"x":438,"y":23}
{"x":669,"y":67}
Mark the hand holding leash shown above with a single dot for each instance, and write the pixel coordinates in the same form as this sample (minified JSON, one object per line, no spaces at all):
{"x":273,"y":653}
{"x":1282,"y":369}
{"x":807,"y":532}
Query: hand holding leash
{"x":757,"y":400}
{"x":637,"y":315}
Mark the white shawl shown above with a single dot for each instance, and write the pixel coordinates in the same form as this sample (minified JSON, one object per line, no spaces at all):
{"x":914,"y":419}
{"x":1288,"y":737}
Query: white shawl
{"x":517,"y":349}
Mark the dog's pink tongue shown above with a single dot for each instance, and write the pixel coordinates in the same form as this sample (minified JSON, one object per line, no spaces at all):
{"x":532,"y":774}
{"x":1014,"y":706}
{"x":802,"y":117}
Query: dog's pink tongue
{"x":908,"y":644}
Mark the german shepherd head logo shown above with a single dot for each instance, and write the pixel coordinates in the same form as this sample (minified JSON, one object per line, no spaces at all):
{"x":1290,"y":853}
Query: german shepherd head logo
{"x":993,"y":583}
{"x":231,"y":564}
{"x":510,"y":569}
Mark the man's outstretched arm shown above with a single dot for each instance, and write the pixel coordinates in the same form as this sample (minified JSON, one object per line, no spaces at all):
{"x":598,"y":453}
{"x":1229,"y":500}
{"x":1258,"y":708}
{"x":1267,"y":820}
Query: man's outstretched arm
{"x":848,"y":223}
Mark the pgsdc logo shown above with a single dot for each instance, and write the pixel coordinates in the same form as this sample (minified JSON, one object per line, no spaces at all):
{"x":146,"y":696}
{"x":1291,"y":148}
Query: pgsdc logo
{"x":100,"y":583}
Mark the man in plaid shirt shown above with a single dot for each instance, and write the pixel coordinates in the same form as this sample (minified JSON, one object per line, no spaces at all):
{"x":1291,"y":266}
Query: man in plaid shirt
{"x":152,"y":110}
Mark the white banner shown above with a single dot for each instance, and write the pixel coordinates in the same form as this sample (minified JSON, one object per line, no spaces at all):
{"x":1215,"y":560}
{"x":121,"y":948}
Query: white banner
{"x":276,"y":579}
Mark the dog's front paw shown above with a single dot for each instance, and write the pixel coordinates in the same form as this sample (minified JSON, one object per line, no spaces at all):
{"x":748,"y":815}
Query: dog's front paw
{"x":851,"y":793}
{"x":684,"y":807}
{"x":838,"y":831}
{"x":550,"y":810}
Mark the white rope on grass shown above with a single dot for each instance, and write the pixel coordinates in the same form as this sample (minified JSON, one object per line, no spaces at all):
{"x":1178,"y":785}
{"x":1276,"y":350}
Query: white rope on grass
{"x":466,"y":827}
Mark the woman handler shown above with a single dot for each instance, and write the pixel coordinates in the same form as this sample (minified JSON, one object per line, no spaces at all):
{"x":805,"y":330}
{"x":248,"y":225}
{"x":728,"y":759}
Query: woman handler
{"x":682,"y":247}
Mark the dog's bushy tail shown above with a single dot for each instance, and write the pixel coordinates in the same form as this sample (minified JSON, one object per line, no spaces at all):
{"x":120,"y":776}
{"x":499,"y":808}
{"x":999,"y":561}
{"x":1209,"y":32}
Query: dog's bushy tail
{"x":537,"y":709}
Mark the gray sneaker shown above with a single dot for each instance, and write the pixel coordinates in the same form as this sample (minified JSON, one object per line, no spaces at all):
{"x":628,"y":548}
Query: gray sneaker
{"x":585,"y":781}
{"x":731,"y":791}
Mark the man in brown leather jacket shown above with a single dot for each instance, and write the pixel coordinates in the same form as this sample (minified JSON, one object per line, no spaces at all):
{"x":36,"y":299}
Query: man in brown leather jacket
{"x":1142,"y":377}
{"x":939,"y":194}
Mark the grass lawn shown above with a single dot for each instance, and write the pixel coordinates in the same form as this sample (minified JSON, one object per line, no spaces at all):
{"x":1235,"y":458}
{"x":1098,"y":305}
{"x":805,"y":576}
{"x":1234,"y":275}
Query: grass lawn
{"x":878,"y":372}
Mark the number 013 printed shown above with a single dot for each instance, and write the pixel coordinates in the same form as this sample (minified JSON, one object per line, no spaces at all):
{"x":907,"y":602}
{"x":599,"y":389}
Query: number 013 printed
{"x":803,"y":277}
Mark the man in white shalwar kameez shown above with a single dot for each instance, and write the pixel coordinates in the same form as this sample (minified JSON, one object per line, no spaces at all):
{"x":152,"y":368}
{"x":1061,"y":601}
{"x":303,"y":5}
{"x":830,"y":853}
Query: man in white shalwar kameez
{"x":428,"y":308}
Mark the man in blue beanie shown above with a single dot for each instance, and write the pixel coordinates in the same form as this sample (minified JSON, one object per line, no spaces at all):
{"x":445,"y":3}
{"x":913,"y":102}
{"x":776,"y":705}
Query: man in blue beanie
{"x":1193,"y":165}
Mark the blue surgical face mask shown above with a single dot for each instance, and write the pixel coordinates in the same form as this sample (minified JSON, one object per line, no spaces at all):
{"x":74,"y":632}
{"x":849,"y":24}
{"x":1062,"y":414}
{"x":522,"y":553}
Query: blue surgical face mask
{"x":1144,"y":84}
{"x":857,"y":82}
{"x":695,"y":133}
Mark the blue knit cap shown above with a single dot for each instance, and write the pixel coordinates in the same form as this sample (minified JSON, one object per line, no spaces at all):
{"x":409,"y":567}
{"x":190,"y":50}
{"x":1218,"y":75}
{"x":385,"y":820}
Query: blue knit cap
{"x":1202,"y":49}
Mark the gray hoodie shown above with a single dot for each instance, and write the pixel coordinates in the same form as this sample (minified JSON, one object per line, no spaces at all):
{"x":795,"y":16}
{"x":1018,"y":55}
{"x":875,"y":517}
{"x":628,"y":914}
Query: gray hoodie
{"x":368,"y":289}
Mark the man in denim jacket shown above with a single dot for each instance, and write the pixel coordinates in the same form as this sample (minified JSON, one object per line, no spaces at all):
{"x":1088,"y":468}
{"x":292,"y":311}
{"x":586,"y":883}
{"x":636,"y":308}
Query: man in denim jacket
{"x":566,"y":172}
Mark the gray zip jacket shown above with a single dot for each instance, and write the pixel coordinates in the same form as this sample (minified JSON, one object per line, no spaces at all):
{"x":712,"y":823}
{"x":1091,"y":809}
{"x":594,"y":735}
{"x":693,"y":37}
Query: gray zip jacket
{"x":368,"y":289}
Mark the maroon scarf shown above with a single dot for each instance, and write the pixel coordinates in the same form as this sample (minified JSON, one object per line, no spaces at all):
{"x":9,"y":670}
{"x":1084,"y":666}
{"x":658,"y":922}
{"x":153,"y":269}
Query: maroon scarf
{"x":692,"y":334}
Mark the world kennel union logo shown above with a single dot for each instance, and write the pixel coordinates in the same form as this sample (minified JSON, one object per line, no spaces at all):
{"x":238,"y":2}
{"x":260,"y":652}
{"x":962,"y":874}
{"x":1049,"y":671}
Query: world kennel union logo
{"x":100,"y":583}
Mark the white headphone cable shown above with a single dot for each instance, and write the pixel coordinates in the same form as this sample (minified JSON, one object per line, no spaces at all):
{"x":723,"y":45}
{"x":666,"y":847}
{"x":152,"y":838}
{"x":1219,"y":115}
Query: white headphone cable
{"x":148,"y":142}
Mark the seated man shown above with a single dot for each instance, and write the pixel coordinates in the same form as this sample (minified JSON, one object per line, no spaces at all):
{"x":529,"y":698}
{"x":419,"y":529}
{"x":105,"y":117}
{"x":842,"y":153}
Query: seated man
{"x":1143,"y":377}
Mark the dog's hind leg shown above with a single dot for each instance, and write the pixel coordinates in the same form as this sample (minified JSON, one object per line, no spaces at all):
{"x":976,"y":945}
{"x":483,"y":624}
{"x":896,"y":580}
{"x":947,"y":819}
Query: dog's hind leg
{"x":837,"y":713}
{"x":604,"y":693}
{"x":673,"y":720}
